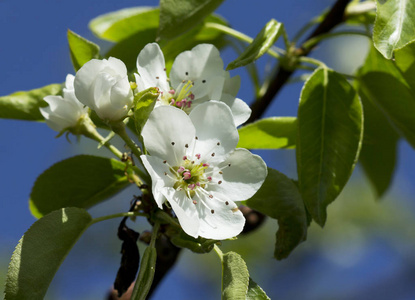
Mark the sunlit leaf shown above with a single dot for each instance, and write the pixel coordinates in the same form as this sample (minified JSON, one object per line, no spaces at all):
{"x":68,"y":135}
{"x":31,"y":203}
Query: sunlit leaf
{"x":235,"y":278}
{"x":127,"y":50}
{"x":179,"y":16}
{"x":80,"y":181}
{"x":144,"y":104}
{"x":119,"y":25}
{"x":255,"y":292}
{"x":330,"y":131}
{"x":262,"y":42}
{"x":394,"y":25}
{"x":25,"y":105}
{"x":81,"y":50}
{"x":280,"y":199}
{"x":41,"y":251}
{"x":269,"y":133}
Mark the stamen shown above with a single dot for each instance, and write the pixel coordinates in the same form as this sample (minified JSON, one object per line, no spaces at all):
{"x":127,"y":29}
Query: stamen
{"x":213,"y":154}
{"x":210,"y":196}
{"x":186,"y":146}
{"x":205,"y":165}
{"x":198,"y":156}
{"x":194,"y":202}
{"x":172,"y":143}
{"x":172,"y":91}
{"x":164,"y":161}
{"x":191,"y":186}
{"x":180,"y":169}
{"x":187,"y":175}
{"x":184,"y":157}
{"x":227,"y":203}
{"x":218,"y":143}
{"x":209,"y":178}
{"x":220,"y":181}
{"x":212,"y":211}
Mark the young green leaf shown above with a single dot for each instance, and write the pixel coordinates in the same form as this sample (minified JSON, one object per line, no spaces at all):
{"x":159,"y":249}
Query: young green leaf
{"x":235,"y":277}
{"x":41,"y":251}
{"x":255,"y":292}
{"x":25,"y":105}
{"x":330,"y":131}
{"x":394,"y":25}
{"x":145,"y":275}
{"x":144,"y":104}
{"x":81,"y":50}
{"x":262,"y":42}
{"x":376,"y":78}
{"x":119,"y":25}
{"x":280,"y":199}
{"x":378,"y":154}
{"x":269,"y":133}
{"x":80,"y":181}
{"x":179,"y":16}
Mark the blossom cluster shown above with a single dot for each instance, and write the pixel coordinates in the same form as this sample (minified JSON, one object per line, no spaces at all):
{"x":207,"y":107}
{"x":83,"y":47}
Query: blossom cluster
{"x":190,"y":137}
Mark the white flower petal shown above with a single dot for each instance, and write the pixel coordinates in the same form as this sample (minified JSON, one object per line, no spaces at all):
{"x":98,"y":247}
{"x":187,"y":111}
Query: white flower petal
{"x":240,"y":110}
{"x":231,"y":85}
{"x":184,"y":209}
{"x":225,"y":222}
{"x":242,"y":179}
{"x":214,"y":124}
{"x":61,"y":113}
{"x":156,"y":168}
{"x":199,"y":65}
{"x":152,"y":68}
{"x":166,"y":133}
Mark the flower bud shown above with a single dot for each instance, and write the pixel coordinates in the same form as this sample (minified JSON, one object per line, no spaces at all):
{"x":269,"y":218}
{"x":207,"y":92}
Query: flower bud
{"x":103,"y":86}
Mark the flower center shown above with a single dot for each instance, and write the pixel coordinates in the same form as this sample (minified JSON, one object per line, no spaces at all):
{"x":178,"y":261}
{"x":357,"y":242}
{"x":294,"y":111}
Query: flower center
{"x":189,"y":175}
{"x":181,"y":98}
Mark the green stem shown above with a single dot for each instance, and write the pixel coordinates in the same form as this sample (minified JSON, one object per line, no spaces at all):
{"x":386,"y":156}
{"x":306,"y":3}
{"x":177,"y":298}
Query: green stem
{"x":218,"y":252}
{"x":313,"y":61}
{"x":156,"y":228}
{"x":164,"y":217}
{"x":119,"y":129}
{"x":89,"y":131}
{"x":314,"y":41}
{"x":243,"y":37}
{"x":118,"y":215}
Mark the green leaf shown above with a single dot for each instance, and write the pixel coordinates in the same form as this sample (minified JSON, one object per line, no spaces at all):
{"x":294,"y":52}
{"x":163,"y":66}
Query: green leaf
{"x":119,"y":25}
{"x":269,"y":133}
{"x":144,"y":104}
{"x":41,"y":251}
{"x":330,"y":131}
{"x":280,"y":199}
{"x":378,"y":154}
{"x":405,"y":61}
{"x":81,"y":50}
{"x":394,"y":25}
{"x":128,"y":49}
{"x":376,"y":78}
{"x":25,"y":105}
{"x":235,"y":277}
{"x":80,"y":181}
{"x":262,"y":42}
{"x":145,"y":275}
{"x":179,"y":16}
{"x":255,"y":292}
{"x":360,"y":13}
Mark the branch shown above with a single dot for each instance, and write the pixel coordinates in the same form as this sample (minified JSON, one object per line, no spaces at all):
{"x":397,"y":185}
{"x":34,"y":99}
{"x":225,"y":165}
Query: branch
{"x":332,"y":19}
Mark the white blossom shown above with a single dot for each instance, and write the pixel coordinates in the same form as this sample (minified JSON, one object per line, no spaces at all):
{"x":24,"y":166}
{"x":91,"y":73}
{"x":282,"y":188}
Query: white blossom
{"x":64,"y":112}
{"x":194,"y":165}
{"x":196,"y":76}
{"x":103,"y":86}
